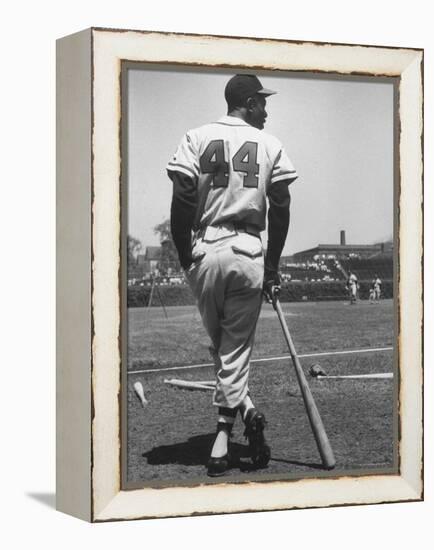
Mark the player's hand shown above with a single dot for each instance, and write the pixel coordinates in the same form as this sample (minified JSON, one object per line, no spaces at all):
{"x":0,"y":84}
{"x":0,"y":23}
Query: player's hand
{"x":186,"y":261}
{"x":271,"y":291}
{"x":271,"y":287}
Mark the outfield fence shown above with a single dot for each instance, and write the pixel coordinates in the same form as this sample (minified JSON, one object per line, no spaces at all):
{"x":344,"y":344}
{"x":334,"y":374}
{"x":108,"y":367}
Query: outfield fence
{"x":293,"y":291}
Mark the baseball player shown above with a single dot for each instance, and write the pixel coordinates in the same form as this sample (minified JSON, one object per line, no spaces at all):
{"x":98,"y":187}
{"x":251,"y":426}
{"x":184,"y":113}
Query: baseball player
{"x":222,"y":174}
{"x":377,"y":287}
{"x":353,"y":286}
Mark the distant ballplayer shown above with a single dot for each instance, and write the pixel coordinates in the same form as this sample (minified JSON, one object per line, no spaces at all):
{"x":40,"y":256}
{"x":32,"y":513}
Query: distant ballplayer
{"x":377,"y":287}
{"x":353,"y":286}
{"x":222,"y":174}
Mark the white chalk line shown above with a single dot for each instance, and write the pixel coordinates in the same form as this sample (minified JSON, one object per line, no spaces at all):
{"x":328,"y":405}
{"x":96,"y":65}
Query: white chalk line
{"x":210,"y":385}
{"x":373,"y":375}
{"x":266,"y":359}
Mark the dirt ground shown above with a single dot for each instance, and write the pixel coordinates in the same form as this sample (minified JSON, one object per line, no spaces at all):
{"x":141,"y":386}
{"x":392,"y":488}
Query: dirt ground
{"x":170,"y":439}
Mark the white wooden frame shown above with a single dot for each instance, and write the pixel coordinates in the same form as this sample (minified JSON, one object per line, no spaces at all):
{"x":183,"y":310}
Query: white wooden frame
{"x":88,"y":263}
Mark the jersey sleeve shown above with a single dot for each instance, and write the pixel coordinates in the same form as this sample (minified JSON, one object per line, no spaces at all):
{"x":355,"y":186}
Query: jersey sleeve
{"x":283,"y":168}
{"x":185,"y":159}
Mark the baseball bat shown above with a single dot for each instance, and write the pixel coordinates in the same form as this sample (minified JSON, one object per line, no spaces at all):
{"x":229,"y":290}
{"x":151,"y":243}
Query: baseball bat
{"x":322,"y":441}
{"x":189,"y":385}
{"x":138,"y":388}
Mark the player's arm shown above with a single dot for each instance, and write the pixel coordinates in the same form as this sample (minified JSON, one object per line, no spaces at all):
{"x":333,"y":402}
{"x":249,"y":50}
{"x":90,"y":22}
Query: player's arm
{"x":183,"y":170}
{"x":282,"y":175}
{"x":182,"y":214}
{"x":279,"y":201}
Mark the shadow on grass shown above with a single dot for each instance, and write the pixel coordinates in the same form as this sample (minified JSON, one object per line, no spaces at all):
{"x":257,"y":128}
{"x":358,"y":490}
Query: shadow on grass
{"x":196,"y":451}
{"x":313,"y":465}
{"x":193,"y":452}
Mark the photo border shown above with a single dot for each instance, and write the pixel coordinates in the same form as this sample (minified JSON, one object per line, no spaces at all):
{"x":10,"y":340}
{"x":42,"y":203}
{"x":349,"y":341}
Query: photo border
{"x":262,"y":476}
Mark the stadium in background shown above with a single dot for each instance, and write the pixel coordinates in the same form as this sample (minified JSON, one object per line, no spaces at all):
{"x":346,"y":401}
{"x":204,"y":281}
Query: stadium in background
{"x":315,"y":274}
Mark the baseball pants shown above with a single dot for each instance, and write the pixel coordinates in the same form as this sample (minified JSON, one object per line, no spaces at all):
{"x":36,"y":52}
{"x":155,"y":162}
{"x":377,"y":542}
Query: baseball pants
{"x":226,"y":278}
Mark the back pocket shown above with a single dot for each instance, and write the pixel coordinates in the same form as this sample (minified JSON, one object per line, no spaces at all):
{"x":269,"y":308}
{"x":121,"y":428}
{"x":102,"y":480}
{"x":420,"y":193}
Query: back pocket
{"x":249,"y":251}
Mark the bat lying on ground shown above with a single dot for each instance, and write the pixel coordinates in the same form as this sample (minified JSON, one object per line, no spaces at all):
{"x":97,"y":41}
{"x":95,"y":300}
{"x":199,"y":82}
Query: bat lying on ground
{"x":138,"y":388}
{"x":190,"y":385}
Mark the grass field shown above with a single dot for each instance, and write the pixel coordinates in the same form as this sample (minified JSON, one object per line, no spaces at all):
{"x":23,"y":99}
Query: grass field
{"x":170,"y":439}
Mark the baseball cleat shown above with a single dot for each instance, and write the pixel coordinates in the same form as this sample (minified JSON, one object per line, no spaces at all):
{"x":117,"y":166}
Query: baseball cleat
{"x":260,"y":452}
{"x":218,"y":466}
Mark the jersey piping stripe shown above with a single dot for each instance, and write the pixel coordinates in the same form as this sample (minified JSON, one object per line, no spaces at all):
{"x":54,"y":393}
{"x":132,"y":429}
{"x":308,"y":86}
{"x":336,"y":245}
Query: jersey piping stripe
{"x":286,"y":176}
{"x":277,"y":159}
{"x":287,"y":172}
{"x":226,"y":124}
{"x":181,"y":167}
{"x":182,"y":171}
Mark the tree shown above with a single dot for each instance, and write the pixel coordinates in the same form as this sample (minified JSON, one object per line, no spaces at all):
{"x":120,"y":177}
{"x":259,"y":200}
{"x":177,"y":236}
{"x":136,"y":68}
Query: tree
{"x":169,"y":254}
{"x":134,"y":247}
{"x":163,"y":229}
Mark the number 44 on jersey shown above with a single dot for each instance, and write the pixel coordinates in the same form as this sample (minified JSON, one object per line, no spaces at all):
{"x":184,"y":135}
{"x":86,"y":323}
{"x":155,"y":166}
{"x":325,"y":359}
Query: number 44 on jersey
{"x":212,"y":161}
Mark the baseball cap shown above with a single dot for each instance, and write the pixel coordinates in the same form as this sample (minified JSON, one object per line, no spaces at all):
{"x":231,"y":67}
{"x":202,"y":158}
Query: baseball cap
{"x":242,"y":86}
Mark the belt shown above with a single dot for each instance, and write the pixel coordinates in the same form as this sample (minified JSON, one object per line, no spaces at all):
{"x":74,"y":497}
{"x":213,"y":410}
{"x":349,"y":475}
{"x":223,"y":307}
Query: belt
{"x":226,"y":230}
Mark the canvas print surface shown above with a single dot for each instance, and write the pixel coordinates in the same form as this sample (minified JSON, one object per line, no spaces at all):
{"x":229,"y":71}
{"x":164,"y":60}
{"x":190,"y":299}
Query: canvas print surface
{"x":207,"y":369}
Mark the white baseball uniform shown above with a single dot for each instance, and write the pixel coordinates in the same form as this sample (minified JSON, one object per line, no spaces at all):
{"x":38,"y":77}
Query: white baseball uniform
{"x":377,"y":287}
{"x":352,"y":281}
{"x":234,"y":166}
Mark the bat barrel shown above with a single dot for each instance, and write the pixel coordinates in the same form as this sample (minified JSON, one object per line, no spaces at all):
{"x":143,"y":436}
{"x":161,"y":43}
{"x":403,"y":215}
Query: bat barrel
{"x":315,"y":420}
